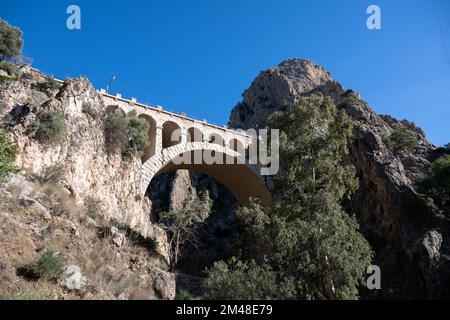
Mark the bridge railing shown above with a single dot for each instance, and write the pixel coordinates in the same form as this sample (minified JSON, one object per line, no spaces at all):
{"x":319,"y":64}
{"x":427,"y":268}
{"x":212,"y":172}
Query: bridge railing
{"x":183,"y":116}
{"x":18,"y":60}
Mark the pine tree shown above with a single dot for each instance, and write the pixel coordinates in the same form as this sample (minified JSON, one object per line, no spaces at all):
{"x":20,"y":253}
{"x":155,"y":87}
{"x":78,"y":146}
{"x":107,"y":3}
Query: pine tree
{"x":10,"y":39}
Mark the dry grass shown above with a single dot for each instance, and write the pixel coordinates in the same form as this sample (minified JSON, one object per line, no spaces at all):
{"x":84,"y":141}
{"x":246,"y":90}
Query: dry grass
{"x":111,"y":272}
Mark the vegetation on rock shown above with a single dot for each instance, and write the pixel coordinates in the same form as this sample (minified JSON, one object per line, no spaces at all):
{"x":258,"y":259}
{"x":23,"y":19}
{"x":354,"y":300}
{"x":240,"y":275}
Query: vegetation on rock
{"x":436,"y":183}
{"x":48,"y":86}
{"x":47,"y":267}
{"x":306,"y":238}
{"x":240,"y":280}
{"x":401,"y":140}
{"x":8,"y":153}
{"x":8,"y":68}
{"x":127,"y":134}
{"x":49,"y":127}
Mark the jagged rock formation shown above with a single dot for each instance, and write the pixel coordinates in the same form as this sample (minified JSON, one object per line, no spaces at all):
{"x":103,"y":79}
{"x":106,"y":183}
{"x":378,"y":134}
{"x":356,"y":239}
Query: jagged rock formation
{"x":410,"y":244}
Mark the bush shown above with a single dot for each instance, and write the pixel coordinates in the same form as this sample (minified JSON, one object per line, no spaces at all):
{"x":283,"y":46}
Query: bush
{"x":4,"y":79}
{"x":8,"y":153}
{"x":401,"y":140}
{"x":184,"y":294}
{"x":49,"y":127}
{"x":116,"y":134}
{"x":437,"y":183}
{"x":240,"y":280}
{"x":8,"y":67}
{"x":127,"y":134}
{"x":349,"y":101}
{"x":89,"y":110}
{"x":52,"y":174}
{"x":47,"y":267}
{"x":47,"y":87}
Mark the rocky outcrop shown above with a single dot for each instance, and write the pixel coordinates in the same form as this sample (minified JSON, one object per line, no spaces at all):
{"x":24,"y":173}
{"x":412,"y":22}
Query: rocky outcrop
{"x":89,"y":170}
{"x":397,"y":222}
{"x":54,"y":215}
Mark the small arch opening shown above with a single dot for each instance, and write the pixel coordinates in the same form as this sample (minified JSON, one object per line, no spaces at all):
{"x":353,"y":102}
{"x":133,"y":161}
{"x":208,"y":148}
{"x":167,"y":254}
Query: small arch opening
{"x":150,"y":150}
{"x":194,"y":135}
{"x":171,"y":134}
{"x":237,"y":146}
{"x":216,"y":139}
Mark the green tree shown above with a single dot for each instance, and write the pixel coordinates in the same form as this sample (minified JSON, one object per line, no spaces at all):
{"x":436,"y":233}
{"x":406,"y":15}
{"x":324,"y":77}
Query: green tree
{"x":10,"y":39}
{"x":240,"y":280}
{"x":138,"y":133}
{"x":401,"y":140}
{"x":8,"y":153}
{"x":127,"y":134}
{"x":436,"y":183}
{"x":307,"y":237}
{"x":47,"y":267}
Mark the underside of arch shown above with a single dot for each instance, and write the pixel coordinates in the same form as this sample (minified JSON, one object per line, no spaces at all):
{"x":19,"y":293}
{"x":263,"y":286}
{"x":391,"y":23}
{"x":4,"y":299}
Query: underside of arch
{"x":240,"y":179}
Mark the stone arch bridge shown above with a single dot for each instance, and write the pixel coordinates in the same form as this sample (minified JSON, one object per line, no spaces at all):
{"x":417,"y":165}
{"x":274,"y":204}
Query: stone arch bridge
{"x":194,"y":138}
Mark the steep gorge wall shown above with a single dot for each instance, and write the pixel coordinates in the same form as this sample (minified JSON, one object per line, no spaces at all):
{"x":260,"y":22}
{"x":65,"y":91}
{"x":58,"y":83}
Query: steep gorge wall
{"x":89,"y":170}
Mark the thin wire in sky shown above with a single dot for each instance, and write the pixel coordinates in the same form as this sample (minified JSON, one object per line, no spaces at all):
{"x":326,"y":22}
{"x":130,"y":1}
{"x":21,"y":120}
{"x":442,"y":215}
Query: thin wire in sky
{"x":442,"y":31}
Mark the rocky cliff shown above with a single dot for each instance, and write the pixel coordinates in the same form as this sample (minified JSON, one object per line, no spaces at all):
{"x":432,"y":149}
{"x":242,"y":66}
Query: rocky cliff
{"x":410,"y":244}
{"x":95,"y":191}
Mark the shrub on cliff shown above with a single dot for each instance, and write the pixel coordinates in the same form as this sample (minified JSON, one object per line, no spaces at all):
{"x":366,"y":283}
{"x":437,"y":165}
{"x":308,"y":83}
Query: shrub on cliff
{"x":436,"y":183}
{"x":47,"y":267}
{"x":401,"y":140}
{"x":47,"y":87}
{"x":8,"y":68}
{"x":49,"y":127}
{"x":127,"y":134}
{"x":8,"y":153}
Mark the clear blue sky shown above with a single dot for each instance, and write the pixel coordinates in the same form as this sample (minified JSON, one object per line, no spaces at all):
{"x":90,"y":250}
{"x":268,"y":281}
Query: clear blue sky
{"x":198,"y":56}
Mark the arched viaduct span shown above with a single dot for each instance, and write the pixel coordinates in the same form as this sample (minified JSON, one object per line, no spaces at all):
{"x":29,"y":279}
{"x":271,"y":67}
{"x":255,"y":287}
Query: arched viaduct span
{"x":197,"y":138}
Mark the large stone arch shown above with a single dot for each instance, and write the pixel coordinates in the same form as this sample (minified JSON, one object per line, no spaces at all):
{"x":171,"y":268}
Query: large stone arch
{"x":151,"y":149}
{"x":242,"y":180}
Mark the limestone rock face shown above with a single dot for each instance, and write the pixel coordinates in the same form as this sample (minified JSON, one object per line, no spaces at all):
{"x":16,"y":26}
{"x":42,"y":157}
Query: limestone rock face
{"x":89,"y":170}
{"x":392,"y":216}
{"x":277,"y":88}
